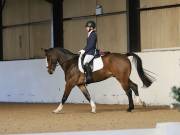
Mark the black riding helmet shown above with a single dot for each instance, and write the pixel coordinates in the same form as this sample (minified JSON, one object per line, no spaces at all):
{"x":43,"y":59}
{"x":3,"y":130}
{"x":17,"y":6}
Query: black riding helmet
{"x":91,"y":24}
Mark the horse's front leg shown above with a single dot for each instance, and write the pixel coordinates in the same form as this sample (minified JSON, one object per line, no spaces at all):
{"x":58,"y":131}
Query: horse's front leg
{"x":67,"y":91}
{"x":87,"y":95}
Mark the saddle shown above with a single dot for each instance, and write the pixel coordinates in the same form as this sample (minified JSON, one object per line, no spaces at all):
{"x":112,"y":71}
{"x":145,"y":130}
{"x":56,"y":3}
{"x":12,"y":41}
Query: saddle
{"x":96,"y":63}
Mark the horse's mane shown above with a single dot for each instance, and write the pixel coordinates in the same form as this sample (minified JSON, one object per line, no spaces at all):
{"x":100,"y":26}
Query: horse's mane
{"x":67,"y":51}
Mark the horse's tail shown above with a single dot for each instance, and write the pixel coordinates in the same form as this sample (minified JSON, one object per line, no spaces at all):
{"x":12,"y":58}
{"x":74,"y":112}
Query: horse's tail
{"x":146,"y":79}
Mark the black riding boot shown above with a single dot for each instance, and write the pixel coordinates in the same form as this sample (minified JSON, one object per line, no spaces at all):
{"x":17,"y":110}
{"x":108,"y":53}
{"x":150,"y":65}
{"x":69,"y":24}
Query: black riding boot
{"x":88,"y":73}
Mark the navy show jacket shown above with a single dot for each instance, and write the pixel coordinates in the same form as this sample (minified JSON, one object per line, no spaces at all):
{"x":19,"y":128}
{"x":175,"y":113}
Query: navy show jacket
{"x":91,"y":43}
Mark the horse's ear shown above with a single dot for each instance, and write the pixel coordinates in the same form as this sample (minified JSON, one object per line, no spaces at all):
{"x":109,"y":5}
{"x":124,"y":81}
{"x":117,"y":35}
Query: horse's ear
{"x":45,"y":50}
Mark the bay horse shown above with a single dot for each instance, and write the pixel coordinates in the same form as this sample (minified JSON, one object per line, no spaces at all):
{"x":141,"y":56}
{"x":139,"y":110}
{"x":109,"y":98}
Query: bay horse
{"x":115,"y":65}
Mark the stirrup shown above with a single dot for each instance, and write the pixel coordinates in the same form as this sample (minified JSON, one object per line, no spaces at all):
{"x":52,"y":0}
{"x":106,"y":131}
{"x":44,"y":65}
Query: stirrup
{"x":88,"y":81}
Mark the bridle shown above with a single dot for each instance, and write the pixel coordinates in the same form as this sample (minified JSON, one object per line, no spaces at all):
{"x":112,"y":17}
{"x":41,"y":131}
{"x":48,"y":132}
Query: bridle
{"x":60,"y":62}
{"x":57,"y":64}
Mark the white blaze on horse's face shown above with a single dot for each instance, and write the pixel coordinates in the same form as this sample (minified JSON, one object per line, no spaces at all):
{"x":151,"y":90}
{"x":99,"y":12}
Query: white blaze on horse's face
{"x":51,"y":65}
{"x":46,"y":62}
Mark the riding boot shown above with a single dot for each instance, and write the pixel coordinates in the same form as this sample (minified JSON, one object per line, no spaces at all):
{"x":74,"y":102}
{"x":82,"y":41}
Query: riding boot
{"x":88,"y":73}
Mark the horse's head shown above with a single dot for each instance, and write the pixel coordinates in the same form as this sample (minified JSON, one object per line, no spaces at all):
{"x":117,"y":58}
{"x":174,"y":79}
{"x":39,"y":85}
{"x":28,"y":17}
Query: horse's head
{"x":57,"y":56}
{"x":52,"y":60}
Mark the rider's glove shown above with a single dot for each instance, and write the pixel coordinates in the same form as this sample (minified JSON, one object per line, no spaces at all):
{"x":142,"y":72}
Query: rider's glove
{"x":82,"y":51}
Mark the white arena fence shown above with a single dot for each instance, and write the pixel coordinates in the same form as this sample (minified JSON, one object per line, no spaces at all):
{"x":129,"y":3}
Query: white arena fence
{"x":28,"y":81}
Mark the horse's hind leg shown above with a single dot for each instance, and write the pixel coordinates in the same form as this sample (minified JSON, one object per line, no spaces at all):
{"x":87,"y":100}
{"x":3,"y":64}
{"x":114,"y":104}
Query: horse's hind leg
{"x":134,"y":87}
{"x":87,"y":95}
{"x":131,"y":104}
{"x":126,"y":87}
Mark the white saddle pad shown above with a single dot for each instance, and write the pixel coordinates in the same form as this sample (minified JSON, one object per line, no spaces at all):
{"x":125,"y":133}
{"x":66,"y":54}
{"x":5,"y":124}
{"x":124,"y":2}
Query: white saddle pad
{"x":97,"y":64}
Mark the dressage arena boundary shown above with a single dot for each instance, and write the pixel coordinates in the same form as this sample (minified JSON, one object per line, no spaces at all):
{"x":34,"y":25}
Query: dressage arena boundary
{"x":171,"y":128}
{"x":28,"y":81}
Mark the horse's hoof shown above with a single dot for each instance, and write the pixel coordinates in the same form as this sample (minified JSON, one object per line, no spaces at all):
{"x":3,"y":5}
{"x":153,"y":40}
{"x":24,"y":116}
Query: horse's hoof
{"x":56,"y":112}
{"x":129,"y":110}
{"x":94,"y":112}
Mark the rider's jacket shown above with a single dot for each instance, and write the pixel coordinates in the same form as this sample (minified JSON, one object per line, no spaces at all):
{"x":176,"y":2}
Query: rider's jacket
{"x":91,"y":43}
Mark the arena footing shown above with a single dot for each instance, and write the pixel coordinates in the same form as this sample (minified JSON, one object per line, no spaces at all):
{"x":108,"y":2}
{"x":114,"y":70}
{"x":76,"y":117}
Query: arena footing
{"x":170,"y":128}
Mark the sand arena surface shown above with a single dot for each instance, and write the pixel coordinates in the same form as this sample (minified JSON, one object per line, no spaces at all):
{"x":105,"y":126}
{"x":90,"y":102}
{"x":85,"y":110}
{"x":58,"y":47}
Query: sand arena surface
{"x":35,"y":118}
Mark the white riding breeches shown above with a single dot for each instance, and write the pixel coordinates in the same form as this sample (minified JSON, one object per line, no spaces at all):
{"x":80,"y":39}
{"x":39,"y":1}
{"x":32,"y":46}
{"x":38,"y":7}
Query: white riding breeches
{"x":87,"y":59}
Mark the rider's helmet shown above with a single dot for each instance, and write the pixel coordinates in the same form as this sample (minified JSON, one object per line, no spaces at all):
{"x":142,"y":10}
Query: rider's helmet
{"x":91,"y":24}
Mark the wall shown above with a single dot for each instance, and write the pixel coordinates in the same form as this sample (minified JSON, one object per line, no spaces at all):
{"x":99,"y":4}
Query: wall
{"x":26,"y":28}
{"x":28,"y":81}
{"x":114,"y":14}
{"x":160,"y":28}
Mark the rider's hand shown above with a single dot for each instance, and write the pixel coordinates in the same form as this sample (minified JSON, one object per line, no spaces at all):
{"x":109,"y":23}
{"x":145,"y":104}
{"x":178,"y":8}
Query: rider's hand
{"x":82,"y":51}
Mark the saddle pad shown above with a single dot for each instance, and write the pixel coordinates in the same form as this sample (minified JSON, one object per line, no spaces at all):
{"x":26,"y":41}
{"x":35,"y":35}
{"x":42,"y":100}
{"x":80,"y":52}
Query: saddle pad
{"x":97,"y":64}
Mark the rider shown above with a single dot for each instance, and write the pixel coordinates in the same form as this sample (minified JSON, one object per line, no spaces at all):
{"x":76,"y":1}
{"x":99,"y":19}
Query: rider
{"x":89,"y":50}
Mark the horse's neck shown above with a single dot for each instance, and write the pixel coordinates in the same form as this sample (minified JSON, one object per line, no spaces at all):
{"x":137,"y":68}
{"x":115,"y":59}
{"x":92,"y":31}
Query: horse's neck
{"x":69,"y":62}
{"x":65,"y":57}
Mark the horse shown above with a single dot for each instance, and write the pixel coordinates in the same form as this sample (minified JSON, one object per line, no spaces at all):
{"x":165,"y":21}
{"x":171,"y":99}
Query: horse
{"x":115,"y":65}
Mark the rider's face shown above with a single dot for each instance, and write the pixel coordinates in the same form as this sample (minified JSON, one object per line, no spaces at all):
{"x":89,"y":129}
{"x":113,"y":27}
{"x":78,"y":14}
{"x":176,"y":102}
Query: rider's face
{"x":88,"y":29}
